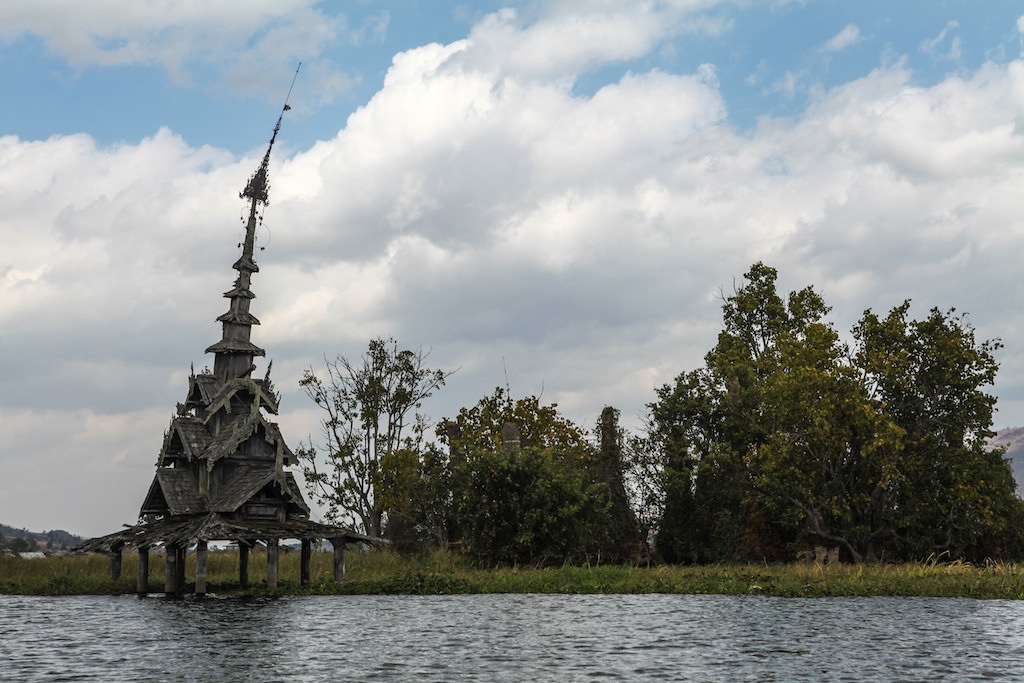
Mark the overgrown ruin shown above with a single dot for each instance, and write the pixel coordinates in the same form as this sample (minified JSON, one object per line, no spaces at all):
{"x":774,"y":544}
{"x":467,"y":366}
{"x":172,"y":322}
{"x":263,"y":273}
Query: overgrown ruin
{"x":221,"y":475}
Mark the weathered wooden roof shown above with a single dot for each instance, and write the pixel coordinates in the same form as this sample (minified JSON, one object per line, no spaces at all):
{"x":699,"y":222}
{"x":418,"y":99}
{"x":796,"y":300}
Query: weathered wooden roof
{"x":242,"y":486}
{"x":245,"y":262}
{"x":275,"y":437}
{"x":179,"y":489}
{"x":236,"y":346}
{"x":202,"y":389}
{"x":214,"y":527}
{"x":238,"y":429}
{"x":173,"y":491}
{"x":246,"y":484}
{"x":193,"y":435}
{"x":238,"y":290}
{"x":295,"y":491}
{"x":243,"y":317}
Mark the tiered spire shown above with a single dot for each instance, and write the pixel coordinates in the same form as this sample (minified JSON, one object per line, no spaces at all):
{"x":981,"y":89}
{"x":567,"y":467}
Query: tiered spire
{"x":234,"y":352}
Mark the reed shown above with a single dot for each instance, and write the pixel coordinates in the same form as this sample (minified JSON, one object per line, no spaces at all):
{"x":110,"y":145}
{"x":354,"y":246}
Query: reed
{"x":386,"y":572}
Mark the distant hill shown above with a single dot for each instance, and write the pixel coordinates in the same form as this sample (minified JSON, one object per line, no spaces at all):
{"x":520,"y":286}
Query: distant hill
{"x":1012,"y":439}
{"x":58,"y":539}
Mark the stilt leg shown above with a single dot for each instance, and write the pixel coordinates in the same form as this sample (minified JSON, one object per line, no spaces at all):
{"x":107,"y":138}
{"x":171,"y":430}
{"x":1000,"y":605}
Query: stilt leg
{"x":306,"y":562}
{"x":115,"y":563}
{"x":272,"y":555}
{"x":142,"y":583}
{"x":170,"y":570}
{"x":201,"y":568}
{"x":339,"y":559}
{"x":179,"y":582}
{"x":243,"y":564}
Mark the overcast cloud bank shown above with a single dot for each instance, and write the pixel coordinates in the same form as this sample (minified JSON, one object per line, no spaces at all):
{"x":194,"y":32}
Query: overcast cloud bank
{"x":483,"y":207}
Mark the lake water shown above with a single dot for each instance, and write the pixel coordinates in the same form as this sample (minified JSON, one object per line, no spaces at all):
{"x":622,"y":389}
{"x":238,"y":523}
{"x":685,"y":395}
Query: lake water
{"x":510,"y":638}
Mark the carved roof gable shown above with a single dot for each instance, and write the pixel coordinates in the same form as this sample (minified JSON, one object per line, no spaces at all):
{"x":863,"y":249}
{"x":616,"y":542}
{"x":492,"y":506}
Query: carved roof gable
{"x":237,"y":430}
{"x":257,"y":392}
{"x":201,"y":389}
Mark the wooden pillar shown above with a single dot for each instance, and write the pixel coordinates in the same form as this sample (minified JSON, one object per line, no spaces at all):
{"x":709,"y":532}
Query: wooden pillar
{"x":201,"y":567}
{"x":272,"y":554}
{"x":179,"y":581}
{"x":243,"y":564}
{"x":170,"y":570}
{"x":142,"y":583}
{"x":116,"y":554}
{"x":339,"y":559}
{"x":306,"y":562}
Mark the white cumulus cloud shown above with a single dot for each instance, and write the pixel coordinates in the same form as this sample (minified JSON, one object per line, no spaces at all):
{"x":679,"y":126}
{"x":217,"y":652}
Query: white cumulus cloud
{"x":850,"y":35}
{"x":478,"y":206}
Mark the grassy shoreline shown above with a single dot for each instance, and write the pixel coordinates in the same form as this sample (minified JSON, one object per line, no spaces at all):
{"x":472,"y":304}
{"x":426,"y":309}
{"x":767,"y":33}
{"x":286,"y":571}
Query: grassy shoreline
{"x":386,"y":573}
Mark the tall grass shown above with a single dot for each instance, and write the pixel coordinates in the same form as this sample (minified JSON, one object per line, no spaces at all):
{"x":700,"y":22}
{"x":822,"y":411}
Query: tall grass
{"x":386,"y":572}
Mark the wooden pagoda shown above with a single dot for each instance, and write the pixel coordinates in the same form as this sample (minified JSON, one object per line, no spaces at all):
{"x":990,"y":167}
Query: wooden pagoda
{"x":221,"y":470}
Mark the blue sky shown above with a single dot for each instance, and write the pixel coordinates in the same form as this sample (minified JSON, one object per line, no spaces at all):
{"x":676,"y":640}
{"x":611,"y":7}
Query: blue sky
{"x":769,"y":58}
{"x":558,"y":189}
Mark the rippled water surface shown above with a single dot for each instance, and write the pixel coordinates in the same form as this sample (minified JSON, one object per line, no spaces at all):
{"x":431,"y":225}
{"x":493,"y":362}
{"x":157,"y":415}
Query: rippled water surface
{"x":510,"y":637}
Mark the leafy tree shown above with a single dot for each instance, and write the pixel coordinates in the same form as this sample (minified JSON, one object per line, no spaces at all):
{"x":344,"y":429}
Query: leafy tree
{"x":523,"y":493}
{"x":416,"y":490}
{"x":522,"y":506}
{"x":788,"y":438}
{"x":707,"y":425}
{"x":930,"y":375}
{"x":831,"y":454}
{"x":679,"y":437}
{"x":480,"y":428}
{"x":371,"y":414}
{"x":608,"y":469}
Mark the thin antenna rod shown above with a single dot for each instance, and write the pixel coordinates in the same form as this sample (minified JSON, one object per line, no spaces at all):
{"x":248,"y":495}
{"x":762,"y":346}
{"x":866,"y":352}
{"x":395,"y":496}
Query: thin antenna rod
{"x":288,"y":96}
{"x":508,"y":387}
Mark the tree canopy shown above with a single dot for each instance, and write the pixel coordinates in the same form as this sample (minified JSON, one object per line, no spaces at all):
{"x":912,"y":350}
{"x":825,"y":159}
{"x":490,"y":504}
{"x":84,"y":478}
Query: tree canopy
{"x":528,"y":488}
{"x":788,"y":437}
{"x":370,"y":413}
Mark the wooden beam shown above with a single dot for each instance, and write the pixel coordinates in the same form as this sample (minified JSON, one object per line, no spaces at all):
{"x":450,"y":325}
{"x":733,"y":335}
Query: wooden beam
{"x":272,"y":555}
{"x":243,"y":564}
{"x":339,"y":559}
{"x":306,"y":562}
{"x":201,"y":549}
{"x":142,"y":582}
